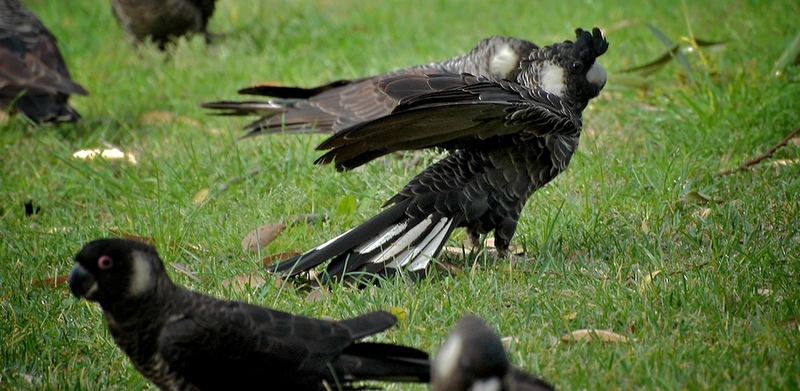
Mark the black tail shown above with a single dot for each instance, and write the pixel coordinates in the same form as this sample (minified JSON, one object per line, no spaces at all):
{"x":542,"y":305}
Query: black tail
{"x":46,"y":109}
{"x":379,"y":361}
{"x":292,"y":92}
{"x":384,"y":362}
{"x":382,"y":245}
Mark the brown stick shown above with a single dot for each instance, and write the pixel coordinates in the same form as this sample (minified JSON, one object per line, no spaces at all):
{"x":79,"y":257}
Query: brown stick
{"x":746,"y":165}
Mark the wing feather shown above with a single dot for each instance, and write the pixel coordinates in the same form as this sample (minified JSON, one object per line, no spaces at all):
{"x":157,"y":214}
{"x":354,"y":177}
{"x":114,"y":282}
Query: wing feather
{"x":463,"y":112}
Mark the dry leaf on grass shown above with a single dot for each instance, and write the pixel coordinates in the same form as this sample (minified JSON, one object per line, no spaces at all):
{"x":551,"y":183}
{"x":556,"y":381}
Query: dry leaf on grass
{"x":279,"y":257}
{"x":281,"y":283}
{"x":51,"y":282}
{"x":592,"y":335}
{"x":317,"y":294}
{"x":241,"y":283}
{"x":262,"y":236}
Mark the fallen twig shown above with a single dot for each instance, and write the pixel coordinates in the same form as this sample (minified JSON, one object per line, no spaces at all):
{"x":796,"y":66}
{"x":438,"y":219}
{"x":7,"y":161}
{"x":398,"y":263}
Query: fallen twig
{"x":746,"y":165}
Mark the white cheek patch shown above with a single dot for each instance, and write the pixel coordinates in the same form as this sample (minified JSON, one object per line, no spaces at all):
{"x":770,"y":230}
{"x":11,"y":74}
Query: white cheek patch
{"x":141,"y":279}
{"x":552,"y":79}
{"x":448,"y":356}
{"x":503,"y":62}
{"x":597,"y":75}
{"x":490,"y":384}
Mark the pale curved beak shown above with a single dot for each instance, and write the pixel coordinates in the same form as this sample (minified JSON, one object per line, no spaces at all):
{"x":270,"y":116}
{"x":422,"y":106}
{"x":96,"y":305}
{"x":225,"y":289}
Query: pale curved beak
{"x":597,"y":75}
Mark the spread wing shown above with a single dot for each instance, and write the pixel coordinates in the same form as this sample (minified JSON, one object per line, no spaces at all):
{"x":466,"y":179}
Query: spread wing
{"x":332,"y":108}
{"x":452,"y":112}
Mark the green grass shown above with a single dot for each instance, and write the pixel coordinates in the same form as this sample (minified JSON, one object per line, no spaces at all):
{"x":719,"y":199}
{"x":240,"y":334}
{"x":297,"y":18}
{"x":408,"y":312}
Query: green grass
{"x":721,"y":313}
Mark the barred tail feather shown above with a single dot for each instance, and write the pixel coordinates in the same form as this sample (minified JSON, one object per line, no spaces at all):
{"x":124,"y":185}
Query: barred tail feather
{"x":416,"y":247}
{"x":408,"y":245}
{"x":340,"y":244}
{"x":401,"y":243}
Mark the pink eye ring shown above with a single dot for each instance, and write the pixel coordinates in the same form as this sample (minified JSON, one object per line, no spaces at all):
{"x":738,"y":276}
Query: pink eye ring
{"x":105,"y":262}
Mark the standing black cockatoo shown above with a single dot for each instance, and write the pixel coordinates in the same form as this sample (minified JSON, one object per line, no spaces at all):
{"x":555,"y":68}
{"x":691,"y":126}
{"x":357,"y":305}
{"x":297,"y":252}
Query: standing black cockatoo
{"x":34,"y":78}
{"x":182,"y":340}
{"x":163,"y":20}
{"x":506,"y":139}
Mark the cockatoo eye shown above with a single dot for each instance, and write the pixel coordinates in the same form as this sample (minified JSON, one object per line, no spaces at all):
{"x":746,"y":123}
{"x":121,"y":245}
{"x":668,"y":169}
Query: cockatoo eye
{"x":105,"y":262}
{"x":577,"y":66}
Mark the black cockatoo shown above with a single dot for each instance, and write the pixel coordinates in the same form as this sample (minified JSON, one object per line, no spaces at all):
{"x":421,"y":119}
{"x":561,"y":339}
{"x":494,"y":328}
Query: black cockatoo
{"x":506,"y":139}
{"x":163,"y":20}
{"x":337,"y":105}
{"x":182,"y":340}
{"x":34,"y":79}
{"x":473,"y":358}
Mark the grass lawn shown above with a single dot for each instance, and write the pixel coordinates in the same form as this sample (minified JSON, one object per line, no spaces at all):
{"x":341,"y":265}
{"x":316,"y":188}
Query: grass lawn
{"x":707,"y":289}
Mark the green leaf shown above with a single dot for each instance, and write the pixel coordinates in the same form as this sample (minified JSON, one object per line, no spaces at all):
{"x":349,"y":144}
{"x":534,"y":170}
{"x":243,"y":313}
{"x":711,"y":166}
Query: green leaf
{"x":346,"y":206}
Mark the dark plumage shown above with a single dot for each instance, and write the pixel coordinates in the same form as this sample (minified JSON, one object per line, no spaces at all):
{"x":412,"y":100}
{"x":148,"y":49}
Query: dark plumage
{"x":473,"y":358}
{"x":182,"y":340}
{"x":506,"y":140}
{"x":163,"y":20}
{"x":335,"y":106}
{"x":34,"y":79}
